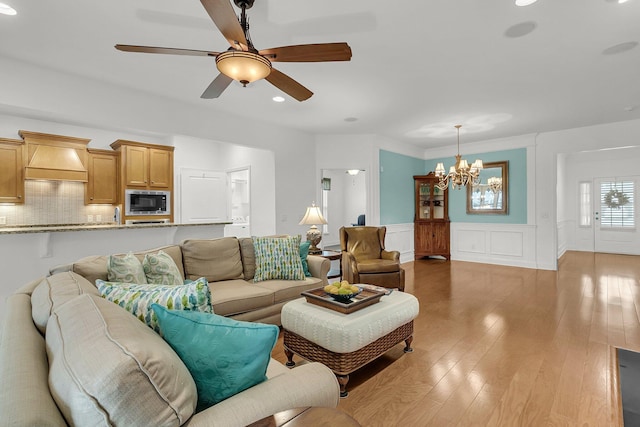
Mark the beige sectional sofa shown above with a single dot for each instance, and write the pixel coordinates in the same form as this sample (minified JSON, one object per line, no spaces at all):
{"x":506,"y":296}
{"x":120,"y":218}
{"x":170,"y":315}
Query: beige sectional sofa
{"x":96,"y":364}
{"x":229,"y":264}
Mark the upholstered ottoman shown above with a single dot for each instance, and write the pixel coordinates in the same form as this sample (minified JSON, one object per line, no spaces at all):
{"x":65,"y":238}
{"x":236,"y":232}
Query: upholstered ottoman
{"x":346,"y":342}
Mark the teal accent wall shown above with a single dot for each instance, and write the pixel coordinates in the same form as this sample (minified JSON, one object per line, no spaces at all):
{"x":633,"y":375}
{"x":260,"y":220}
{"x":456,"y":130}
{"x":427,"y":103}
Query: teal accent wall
{"x":517,"y":207}
{"x":396,"y":186}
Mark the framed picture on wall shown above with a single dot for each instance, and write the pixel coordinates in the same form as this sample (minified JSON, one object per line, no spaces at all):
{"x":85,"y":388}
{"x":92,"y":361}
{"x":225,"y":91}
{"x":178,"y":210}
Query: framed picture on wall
{"x":491,"y":195}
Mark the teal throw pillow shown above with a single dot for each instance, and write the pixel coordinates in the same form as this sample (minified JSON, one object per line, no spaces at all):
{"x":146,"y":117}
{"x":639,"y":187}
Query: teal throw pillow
{"x":137,"y":299}
{"x":224,"y":356}
{"x":161,"y":269}
{"x":278,"y":258}
{"x":126,"y":269}
{"x":304,"y":252}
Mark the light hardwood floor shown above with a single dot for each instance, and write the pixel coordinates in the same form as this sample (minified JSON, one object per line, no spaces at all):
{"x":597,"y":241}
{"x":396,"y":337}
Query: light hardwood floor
{"x":506,"y":346}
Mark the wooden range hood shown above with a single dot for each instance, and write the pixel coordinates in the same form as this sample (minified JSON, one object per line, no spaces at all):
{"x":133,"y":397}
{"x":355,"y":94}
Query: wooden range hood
{"x":55,"y":157}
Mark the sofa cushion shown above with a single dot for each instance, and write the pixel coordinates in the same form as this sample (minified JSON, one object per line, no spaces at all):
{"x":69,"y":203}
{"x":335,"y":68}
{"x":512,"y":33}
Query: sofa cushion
{"x":107,"y":368}
{"x":224,"y":356}
{"x":237,"y":296}
{"x":92,"y":268}
{"x":54,"y":291}
{"x":125,"y":268}
{"x":278,"y":258}
{"x":285,"y":290}
{"x":95,"y":267}
{"x":174,"y":251}
{"x":137,"y":299}
{"x":161,"y":269}
{"x":214,"y":259}
{"x":248,"y":257}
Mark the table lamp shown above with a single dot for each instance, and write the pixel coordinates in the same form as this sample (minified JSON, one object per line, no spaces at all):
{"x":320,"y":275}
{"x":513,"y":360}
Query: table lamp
{"x":312,"y":217}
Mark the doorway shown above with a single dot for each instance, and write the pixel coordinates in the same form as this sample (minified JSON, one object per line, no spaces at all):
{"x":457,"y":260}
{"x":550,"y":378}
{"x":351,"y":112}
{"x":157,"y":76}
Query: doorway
{"x":614,"y":216}
{"x":344,"y":199}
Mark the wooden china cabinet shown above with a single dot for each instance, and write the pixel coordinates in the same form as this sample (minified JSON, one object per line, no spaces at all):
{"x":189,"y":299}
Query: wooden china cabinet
{"x":431,"y":221}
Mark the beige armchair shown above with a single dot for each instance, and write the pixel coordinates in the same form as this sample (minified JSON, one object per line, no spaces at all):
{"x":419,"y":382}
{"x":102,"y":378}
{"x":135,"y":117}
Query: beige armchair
{"x":364,"y":259}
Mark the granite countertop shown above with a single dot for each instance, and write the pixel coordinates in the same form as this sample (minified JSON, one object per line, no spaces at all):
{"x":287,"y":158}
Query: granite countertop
{"x":48,"y":228}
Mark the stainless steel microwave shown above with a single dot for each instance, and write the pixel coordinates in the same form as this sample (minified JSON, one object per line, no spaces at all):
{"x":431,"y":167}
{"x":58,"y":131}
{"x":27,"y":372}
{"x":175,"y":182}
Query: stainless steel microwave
{"x":143,"y":202}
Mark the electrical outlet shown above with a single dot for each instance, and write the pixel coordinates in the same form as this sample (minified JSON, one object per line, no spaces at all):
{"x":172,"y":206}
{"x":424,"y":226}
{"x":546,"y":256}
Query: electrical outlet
{"x":98,"y":218}
{"x":89,"y":218}
{"x":3,"y":220}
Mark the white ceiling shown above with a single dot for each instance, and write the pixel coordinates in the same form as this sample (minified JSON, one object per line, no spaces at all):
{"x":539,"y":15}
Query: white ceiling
{"x":418,"y":67}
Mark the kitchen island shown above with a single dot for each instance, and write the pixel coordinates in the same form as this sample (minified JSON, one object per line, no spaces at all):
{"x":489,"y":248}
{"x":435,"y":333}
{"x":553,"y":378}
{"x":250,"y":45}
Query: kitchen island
{"x":29,"y":252}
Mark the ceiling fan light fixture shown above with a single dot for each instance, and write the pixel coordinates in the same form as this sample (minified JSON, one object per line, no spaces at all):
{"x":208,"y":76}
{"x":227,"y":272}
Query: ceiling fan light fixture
{"x":245,"y":67}
{"x":5,"y":9}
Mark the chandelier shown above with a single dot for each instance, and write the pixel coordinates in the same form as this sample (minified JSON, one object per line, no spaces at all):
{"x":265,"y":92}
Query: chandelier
{"x":461,"y":174}
{"x":495,"y":183}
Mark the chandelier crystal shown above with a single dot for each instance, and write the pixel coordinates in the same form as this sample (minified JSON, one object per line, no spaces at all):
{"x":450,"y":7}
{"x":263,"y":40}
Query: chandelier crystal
{"x":461,"y":174}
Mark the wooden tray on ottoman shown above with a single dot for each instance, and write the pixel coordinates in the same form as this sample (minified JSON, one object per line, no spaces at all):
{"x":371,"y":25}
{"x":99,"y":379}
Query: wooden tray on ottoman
{"x":364,"y":299}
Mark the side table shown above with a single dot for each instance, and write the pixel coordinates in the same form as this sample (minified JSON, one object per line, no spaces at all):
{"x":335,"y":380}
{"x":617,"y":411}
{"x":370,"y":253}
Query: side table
{"x":332,"y":256}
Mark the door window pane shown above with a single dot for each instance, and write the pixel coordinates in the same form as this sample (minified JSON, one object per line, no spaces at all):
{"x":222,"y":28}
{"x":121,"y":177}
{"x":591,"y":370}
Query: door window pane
{"x":616,"y":204}
{"x":585,"y":204}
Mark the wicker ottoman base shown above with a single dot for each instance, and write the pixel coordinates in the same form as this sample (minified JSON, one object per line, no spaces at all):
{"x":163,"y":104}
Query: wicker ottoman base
{"x":342,"y":364}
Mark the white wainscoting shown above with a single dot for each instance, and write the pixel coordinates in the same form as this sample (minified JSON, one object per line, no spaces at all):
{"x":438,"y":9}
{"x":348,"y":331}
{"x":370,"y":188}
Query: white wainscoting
{"x":400,"y":238}
{"x":503,"y":244}
{"x":565,"y":228}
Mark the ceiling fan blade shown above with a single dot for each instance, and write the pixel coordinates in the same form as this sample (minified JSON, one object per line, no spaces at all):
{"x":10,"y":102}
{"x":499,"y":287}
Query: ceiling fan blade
{"x":288,"y":85}
{"x":217,"y":86}
{"x":222,"y":14}
{"x":309,"y":53}
{"x":165,"y":50}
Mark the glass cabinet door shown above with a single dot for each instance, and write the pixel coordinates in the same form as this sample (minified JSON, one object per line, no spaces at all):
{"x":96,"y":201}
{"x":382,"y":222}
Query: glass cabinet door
{"x":424,"y":201}
{"x":438,"y":203}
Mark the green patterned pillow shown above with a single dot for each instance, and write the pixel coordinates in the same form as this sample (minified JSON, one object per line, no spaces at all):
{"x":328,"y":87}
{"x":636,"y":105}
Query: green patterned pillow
{"x":161,"y":269}
{"x":137,"y":299}
{"x":278,"y":258}
{"x":127,"y":269}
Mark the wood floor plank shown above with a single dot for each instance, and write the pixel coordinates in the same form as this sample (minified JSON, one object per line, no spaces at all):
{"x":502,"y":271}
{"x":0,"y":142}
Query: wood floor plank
{"x":506,"y":346}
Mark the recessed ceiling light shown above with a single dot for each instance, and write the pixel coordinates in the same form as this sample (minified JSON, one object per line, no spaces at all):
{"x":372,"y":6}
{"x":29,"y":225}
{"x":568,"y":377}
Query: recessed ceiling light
{"x":5,"y":9}
{"x":525,"y":2}
{"x":278,"y":99}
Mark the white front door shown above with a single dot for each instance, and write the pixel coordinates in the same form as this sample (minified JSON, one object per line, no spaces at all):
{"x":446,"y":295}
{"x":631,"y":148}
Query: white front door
{"x":615,"y":218}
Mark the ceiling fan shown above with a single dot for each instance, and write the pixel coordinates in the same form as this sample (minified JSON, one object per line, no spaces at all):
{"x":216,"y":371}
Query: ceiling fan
{"x":243,"y":62}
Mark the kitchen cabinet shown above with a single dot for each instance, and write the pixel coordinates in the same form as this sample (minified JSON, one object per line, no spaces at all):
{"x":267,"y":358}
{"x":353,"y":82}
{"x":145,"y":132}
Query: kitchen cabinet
{"x":431,"y":219}
{"x":11,"y":171}
{"x":145,"y":166}
{"x":103,"y":184}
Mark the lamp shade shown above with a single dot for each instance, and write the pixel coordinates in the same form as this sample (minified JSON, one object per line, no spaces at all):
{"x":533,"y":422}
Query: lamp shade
{"x":312,"y":216}
{"x":245,"y":67}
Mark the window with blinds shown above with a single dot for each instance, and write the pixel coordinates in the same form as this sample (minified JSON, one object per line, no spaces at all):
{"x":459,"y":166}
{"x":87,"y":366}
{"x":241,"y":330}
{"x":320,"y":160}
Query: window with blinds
{"x":585,"y":204}
{"x":616,"y":204}
{"x":325,"y":210}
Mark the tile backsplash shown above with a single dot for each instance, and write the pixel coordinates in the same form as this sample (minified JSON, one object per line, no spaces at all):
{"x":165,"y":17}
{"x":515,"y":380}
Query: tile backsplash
{"x":54,"y":202}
